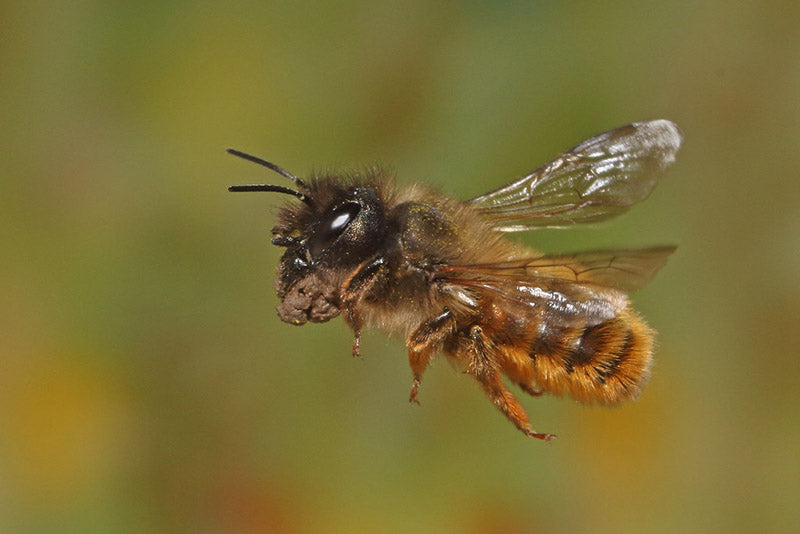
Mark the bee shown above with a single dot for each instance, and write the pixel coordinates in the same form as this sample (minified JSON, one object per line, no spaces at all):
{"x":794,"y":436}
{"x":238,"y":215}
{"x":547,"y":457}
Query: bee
{"x":442,"y":274}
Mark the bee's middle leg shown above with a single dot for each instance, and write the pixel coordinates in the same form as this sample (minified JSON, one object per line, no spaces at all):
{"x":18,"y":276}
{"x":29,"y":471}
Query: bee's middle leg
{"x":424,"y":343}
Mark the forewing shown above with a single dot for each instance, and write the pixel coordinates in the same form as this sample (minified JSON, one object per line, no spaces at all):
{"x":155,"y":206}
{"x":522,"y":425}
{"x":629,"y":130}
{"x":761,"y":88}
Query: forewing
{"x":626,"y":270}
{"x":600,"y":178}
{"x":566,"y":290}
{"x":554,"y":302}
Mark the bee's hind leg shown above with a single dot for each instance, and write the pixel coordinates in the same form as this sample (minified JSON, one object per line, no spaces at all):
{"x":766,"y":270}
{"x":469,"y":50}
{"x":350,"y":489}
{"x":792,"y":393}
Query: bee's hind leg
{"x":485,"y":371}
{"x":530,"y":390}
{"x":424,"y":343}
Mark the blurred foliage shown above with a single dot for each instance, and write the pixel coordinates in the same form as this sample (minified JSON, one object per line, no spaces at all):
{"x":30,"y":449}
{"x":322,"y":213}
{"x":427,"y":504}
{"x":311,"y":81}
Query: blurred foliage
{"x":146,"y":383}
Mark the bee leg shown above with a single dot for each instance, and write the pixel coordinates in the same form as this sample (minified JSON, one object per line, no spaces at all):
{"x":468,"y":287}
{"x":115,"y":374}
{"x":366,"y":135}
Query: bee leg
{"x":353,"y":290}
{"x":488,"y":376}
{"x":353,"y":319}
{"x":424,"y":343}
{"x":357,"y":343}
{"x":530,"y":390}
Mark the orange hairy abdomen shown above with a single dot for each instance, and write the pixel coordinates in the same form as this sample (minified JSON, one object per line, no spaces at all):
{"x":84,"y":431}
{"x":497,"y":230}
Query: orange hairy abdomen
{"x":604,"y":363}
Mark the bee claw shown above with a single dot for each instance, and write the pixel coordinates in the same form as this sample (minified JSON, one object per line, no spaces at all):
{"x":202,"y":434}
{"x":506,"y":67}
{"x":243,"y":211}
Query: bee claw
{"x":545,"y":437}
{"x":414,"y":391}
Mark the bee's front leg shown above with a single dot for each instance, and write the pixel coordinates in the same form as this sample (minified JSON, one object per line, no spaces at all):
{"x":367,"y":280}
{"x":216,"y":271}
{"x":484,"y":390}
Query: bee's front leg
{"x":424,"y":343}
{"x":353,"y":290}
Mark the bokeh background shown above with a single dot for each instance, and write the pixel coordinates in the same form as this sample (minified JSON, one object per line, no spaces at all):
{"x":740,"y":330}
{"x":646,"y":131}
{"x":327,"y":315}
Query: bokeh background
{"x":146,"y":383}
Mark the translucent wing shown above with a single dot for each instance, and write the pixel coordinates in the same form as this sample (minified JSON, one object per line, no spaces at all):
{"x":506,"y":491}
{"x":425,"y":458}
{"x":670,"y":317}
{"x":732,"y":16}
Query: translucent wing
{"x":600,"y":178}
{"x":554,"y":302}
{"x":626,"y":270}
{"x":567,"y":290}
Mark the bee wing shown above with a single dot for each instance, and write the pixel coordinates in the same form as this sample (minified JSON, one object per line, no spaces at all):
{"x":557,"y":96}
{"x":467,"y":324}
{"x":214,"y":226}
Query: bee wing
{"x":626,"y":270}
{"x":555,"y":302}
{"x":599,"y":178}
{"x":567,"y":290}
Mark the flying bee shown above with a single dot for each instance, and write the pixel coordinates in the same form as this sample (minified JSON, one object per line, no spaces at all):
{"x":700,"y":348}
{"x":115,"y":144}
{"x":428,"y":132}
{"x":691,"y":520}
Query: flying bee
{"x":441,"y":273}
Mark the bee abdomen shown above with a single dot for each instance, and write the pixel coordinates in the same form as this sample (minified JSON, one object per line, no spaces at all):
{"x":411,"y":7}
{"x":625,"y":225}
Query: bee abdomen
{"x":605,"y":363}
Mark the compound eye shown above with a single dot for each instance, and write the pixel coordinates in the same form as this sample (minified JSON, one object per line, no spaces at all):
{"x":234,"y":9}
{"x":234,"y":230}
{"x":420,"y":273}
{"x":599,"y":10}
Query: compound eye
{"x":333,"y":226}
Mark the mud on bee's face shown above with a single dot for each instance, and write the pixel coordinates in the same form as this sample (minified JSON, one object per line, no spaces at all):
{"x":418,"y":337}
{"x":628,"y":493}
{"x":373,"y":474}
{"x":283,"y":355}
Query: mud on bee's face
{"x":340,"y":224}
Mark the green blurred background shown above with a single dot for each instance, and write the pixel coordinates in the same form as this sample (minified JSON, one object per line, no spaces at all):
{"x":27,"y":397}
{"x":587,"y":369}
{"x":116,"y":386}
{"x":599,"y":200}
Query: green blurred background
{"x":146,"y":383}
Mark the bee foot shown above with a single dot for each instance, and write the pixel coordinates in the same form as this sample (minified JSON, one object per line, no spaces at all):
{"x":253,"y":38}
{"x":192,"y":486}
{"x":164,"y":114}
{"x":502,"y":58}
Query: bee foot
{"x":414,"y":391}
{"x":545,"y":437}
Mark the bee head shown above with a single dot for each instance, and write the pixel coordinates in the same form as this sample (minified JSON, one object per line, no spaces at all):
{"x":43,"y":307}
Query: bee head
{"x":339,"y":223}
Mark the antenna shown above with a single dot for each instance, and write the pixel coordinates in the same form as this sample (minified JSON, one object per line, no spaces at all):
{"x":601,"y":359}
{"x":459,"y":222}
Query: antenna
{"x":271,"y":166}
{"x":267,"y":187}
